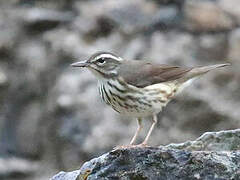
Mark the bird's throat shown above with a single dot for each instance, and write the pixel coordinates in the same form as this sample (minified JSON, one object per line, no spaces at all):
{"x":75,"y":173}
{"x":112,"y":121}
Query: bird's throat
{"x":101,"y":75}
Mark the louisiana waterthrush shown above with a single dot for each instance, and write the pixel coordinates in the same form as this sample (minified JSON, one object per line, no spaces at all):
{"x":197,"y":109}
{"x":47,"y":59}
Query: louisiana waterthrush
{"x":139,"y":88}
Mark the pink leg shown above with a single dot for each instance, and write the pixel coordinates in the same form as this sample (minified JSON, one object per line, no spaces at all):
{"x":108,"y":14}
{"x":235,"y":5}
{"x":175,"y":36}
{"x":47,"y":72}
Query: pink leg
{"x":144,"y":143}
{"x":139,"y":120}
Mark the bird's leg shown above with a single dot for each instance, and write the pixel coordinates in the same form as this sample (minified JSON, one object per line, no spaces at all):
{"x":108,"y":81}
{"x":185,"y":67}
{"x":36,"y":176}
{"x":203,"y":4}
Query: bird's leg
{"x":144,"y":143}
{"x":139,"y":121}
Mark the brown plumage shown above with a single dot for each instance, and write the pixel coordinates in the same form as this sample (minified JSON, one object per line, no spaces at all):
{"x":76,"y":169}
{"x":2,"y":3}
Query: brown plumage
{"x":143,"y":73}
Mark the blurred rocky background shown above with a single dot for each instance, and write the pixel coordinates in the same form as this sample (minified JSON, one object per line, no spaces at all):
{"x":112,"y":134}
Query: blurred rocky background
{"x":51,"y":117}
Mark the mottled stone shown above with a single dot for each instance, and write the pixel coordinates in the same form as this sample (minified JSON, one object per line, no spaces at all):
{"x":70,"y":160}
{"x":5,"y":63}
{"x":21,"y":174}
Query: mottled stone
{"x":212,"y":141}
{"x":204,"y":16}
{"x":66,"y":176}
{"x":40,"y":19}
{"x":154,"y":163}
{"x":214,"y":155}
{"x":232,"y":8}
{"x":234,"y":46}
{"x":41,"y":15}
{"x":3,"y":78}
{"x":160,"y":51}
{"x":212,"y":47}
{"x":16,"y":167}
{"x":126,"y":17}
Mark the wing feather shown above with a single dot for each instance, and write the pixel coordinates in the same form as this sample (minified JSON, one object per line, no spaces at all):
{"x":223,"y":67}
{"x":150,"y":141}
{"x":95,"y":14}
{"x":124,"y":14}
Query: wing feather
{"x":143,"y":73}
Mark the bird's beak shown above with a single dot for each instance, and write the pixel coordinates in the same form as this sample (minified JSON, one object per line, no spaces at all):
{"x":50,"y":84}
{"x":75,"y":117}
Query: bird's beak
{"x":80,"y":64}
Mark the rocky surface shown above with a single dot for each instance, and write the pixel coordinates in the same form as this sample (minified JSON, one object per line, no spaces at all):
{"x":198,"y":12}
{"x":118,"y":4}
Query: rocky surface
{"x":212,"y":141}
{"x":214,"y":155}
{"x":52,"y":114}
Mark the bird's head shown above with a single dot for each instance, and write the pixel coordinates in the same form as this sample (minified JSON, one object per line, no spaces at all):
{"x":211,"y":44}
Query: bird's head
{"x":102,"y":64}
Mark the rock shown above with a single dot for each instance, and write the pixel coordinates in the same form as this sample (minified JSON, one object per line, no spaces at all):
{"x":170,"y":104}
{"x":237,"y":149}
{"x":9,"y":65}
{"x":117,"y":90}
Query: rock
{"x":151,"y":163}
{"x":232,"y":8}
{"x":10,"y":28}
{"x":38,"y":15}
{"x":212,"y":141}
{"x":179,"y":2}
{"x":126,"y":17}
{"x":160,"y":52}
{"x":212,"y":47}
{"x":40,"y":19}
{"x":137,"y":18}
{"x":66,"y":176}
{"x":212,"y":156}
{"x":12,"y":167}
{"x":234,"y":46}
{"x":3,"y":78}
{"x":7,"y":3}
{"x":167,"y":17}
{"x":51,"y":4}
{"x":30,"y":64}
{"x":205,"y":16}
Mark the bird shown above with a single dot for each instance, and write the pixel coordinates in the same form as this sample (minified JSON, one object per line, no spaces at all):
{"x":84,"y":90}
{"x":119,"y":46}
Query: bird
{"x":139,"y":88}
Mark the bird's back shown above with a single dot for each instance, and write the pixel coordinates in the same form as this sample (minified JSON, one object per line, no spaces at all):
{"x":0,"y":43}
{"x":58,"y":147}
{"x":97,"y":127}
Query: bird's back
{"x":144,"y":73}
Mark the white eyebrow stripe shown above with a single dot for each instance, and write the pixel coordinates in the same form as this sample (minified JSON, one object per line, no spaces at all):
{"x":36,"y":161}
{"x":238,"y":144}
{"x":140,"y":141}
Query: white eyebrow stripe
{"x":107,"y":56}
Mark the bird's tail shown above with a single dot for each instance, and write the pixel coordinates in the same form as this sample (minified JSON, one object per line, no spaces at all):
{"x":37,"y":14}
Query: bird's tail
{"x":197,"y":71}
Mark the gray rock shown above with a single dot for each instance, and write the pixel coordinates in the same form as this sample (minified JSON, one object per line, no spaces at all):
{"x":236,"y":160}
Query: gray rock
{"x":9,"y":167}
{"x":41,"y":15}
{"x":51,"y":4}
{"x":8,"y":3}
{"x":212,"y":47}
{"x":3,"y":78}
{"x":152,"y":163}
{"x":212,"y":141}
{"x":232,"y":8}
{"x":126,"y":17}
{"x":66,"y":175}
{"x":205,"y":16}
{"x":234,"y":46}
{"x":37,"y":20}
{"x":10,"y":28}
{"x":179,"y":2}
{"x":212,"y":156}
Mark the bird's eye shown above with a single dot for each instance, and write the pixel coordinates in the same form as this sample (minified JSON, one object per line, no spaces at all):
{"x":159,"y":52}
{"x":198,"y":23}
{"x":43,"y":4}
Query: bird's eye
{"x":101,"y":60}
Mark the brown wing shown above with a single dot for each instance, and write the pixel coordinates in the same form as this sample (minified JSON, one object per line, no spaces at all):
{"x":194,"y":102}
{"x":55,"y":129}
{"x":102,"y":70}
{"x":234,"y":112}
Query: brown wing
{"x":142,"y":73}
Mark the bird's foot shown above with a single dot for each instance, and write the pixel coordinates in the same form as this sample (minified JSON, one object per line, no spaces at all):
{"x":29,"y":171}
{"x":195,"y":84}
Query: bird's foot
{"x":142,"y":145}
